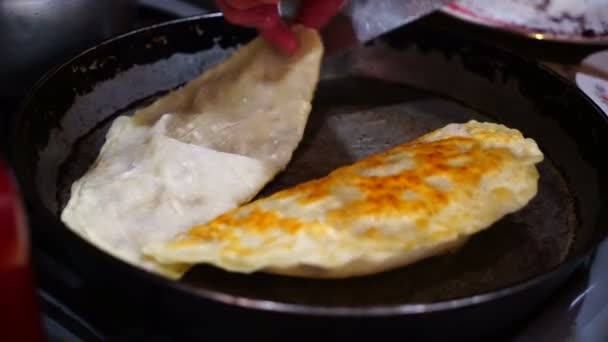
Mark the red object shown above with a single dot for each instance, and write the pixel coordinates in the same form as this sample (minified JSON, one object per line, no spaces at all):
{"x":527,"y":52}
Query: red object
{"x":19,"y":312}
{"x":264,"y":16}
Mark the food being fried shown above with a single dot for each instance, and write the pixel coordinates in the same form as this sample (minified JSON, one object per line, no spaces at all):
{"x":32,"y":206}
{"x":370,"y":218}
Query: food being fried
{"x":197,"y":152}
{"x":388,"y":210}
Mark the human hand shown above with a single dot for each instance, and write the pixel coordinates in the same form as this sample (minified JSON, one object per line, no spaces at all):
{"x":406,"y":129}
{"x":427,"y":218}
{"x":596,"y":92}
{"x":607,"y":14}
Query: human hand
{"x":264,"y":16}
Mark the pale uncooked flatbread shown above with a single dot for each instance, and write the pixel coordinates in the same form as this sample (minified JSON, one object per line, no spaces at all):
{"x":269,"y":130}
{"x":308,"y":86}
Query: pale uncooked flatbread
{"x":197,"y":152}
{"x":391,"y":209}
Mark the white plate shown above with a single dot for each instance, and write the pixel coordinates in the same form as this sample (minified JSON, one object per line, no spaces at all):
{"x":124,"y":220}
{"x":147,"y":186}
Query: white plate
{"x":593,"y":78}
{"x":573,"y":21}
{"x":595,"y":88}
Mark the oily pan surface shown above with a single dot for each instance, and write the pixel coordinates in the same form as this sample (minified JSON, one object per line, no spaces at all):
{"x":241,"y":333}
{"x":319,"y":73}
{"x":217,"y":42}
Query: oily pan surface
{"x":355,"y":117}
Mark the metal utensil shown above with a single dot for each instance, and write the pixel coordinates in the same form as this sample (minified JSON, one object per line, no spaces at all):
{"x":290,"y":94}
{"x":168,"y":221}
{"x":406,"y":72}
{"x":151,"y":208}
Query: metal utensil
{"x":361,"y":21}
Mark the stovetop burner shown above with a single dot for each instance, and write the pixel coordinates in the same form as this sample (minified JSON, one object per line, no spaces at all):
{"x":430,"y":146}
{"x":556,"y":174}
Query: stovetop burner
{"x":75,"y":310}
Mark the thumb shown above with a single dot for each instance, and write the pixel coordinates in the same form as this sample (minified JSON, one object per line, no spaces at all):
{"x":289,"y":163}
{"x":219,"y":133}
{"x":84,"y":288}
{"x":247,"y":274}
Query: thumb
{"x":281,"y":36}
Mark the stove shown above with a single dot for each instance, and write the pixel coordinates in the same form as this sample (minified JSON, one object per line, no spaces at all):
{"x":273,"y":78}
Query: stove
{"x":75,"y":310}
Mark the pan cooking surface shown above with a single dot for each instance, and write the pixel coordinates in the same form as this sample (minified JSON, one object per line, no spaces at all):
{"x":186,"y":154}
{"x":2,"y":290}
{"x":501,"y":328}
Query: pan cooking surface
{"x":62,"y":126}
{"x":354,"y":117}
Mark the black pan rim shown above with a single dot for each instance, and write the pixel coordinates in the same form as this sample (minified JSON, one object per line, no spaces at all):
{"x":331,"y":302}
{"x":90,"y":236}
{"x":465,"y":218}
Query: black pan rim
{"x":281,"y":307}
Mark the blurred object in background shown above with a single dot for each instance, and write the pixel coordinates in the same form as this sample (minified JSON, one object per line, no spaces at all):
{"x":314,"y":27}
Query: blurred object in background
{"x":572,"y":21}
{"x":19,"y":311}
{"x":592,"y":78}
{"x":596,"y":64}
{"x":36,"y":34}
